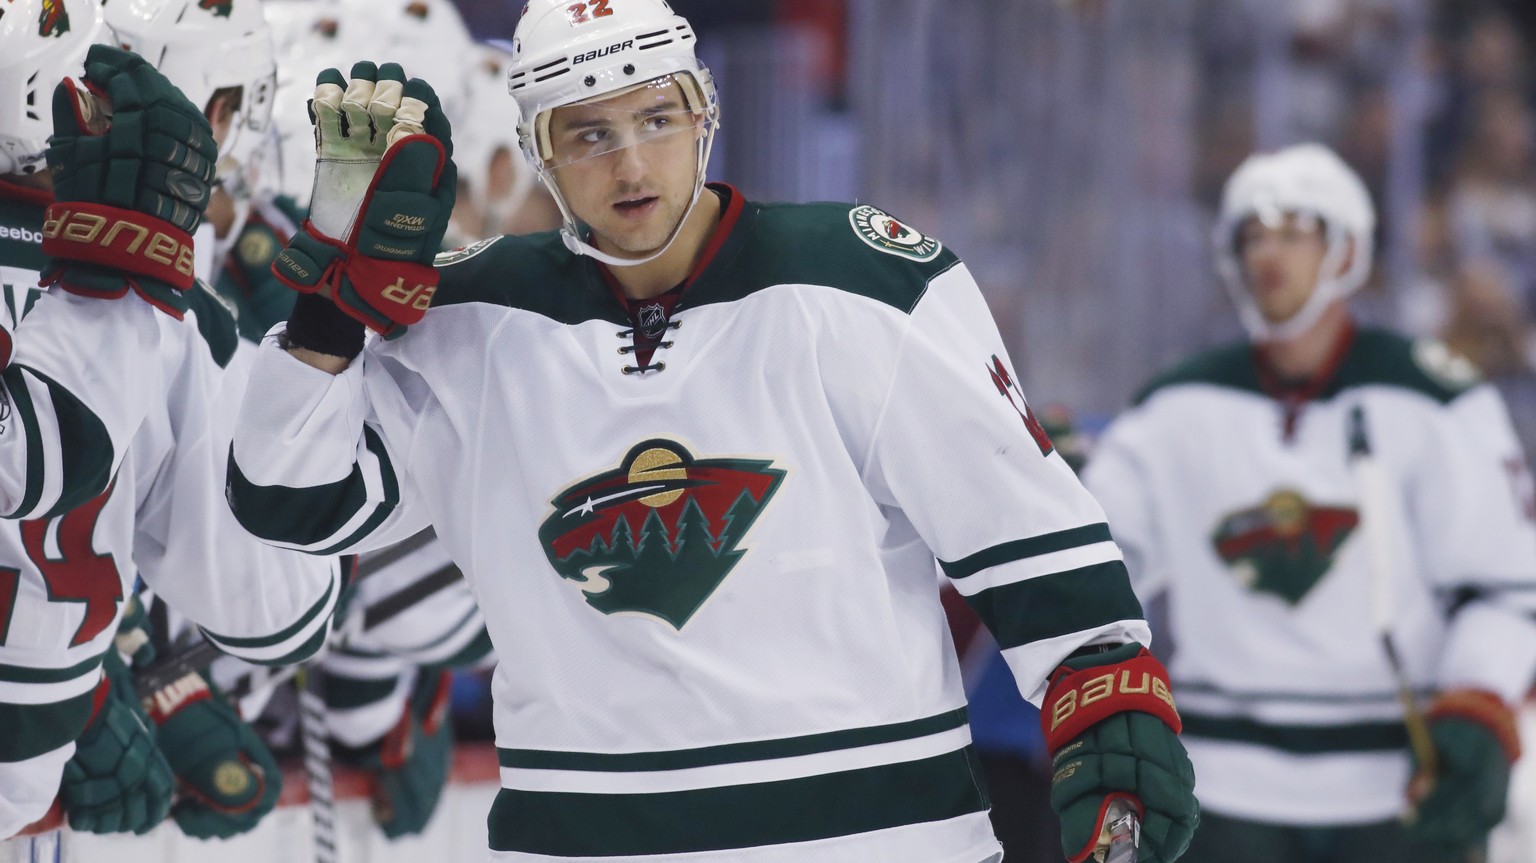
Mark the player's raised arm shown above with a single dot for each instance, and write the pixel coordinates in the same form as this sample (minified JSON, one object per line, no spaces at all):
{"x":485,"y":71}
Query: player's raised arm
{"x":132,"y":160}
{"x":384,"y":190}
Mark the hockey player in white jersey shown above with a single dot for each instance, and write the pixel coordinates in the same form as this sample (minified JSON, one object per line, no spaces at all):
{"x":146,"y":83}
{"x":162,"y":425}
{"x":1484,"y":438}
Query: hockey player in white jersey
{"x":697,"y":457}
{"x":110,"y":453}
{"x":1238,"y":486}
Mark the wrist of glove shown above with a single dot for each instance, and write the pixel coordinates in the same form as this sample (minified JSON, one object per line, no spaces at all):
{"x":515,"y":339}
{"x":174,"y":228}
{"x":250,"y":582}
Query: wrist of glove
{"x":133,"y":165}
{"x":1112,"y":730}
{"x":118,"y":780}
{"x":1476,"y":739}
{"x":228,"y":778}
{"x":410,"y":765}
{"x":384,"y":191}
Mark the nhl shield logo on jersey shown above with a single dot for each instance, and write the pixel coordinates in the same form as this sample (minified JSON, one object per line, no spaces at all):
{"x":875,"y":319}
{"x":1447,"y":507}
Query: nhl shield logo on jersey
{"x":888,"y":235}
{"x":1285,"y":545}
{"x":657,"y":535}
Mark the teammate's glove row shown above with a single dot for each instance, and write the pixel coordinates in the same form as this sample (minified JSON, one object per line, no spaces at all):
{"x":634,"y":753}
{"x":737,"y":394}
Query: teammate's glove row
{"x":117,"y":781}
{"x":228,"y":778}
{"x":1112,"y":730}
{"x":1476,"y":740}
{"x":133,"y":163}
{"x":384,"y":190}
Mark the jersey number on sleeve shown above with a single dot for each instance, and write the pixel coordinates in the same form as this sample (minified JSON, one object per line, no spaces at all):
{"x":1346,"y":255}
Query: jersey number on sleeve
{"x":79,"y":574}
{"x":1008,"y":390}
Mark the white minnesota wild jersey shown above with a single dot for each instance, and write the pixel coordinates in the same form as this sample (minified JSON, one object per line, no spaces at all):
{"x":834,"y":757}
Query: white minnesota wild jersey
{"x":711,"y":585}
{"x":1243,"y":509}
{"x":110,"y":430}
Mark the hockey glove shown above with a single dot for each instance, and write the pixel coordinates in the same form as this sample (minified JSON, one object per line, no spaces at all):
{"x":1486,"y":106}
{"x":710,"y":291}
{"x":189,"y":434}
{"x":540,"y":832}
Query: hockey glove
{"x":1476,"y":740}
{"x":133,"y":163}
{"x":1112,"y":730}
{"x":227,"y":777}
{"x":117,"y":781}
{"x":384,"y":190}
{"x":409,"y":766}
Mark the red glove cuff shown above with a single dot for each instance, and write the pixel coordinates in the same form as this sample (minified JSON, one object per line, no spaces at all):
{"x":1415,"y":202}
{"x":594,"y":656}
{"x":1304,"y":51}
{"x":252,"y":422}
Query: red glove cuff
{"x":124,"y":240}
{"x":186,"y":690}
{"x":397,"y":290}
{"x":1077,"y":699}
{"x":1486,"y":709}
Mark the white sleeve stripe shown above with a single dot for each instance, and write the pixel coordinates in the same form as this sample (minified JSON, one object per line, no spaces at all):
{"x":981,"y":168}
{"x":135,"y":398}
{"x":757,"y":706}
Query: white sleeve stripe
{"x":1013,"y":571}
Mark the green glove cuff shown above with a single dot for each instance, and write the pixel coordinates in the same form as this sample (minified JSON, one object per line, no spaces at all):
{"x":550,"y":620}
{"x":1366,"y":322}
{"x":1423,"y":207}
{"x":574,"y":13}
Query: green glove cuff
{"x":117,"y":780}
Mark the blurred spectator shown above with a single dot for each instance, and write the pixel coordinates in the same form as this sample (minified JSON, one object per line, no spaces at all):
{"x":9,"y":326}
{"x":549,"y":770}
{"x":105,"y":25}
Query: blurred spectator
{"x":1490,"y":325}
{"x":1493,"y":199}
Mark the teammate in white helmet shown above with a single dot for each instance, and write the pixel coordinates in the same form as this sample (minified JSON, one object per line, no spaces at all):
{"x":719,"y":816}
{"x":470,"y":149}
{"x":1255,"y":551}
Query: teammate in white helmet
{"x":1340,"y":520}
{"x":111,"y":461}
{"x":697,"y":456}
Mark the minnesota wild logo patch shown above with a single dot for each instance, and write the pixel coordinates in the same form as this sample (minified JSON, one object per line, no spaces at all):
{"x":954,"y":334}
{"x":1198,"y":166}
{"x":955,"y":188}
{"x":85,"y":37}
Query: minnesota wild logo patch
{"x":658,"y":534}
{"x":1285,"y":545}
{"x":220,"y":8}
{"x":52,"y":20}
{"x":892,"y":237}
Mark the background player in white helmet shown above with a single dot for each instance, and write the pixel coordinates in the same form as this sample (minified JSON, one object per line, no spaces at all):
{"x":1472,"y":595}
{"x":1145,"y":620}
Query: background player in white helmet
{"x":1304,"y":499}
{"x":112,"y":469}
{"x":684,"y":452}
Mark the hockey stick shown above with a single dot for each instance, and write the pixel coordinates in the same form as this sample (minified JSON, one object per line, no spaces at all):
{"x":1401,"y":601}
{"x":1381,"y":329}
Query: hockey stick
{"x":1375,"y":511}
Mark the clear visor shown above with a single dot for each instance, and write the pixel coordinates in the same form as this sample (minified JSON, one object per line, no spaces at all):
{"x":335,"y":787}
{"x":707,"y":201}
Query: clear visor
{"x":651,"y":115}
{"x":1273,"y":224}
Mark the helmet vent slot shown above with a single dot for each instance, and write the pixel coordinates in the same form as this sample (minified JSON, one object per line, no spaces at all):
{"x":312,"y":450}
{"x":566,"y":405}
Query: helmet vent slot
{"x":555,"y":74}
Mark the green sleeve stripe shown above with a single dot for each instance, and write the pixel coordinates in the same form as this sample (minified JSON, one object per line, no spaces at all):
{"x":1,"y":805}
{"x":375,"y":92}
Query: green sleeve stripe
{"x":349,"y":693}
{"x":391,"y":495}
{"x":21,"y":400}
{"x":233,"y":645}
{"x":24,"y":674}
{"x":1020,"y":549}
{"x":1049,"y":606}
{"x":731,"y":753}
{"x":1299,"y":739}
{"x":305,"y":517}
{"x":564,"y":824}
{"x":304,"y":651}
{"x":85,"y":449}
{"x":34,"y":729}
{"x":477,"y":649}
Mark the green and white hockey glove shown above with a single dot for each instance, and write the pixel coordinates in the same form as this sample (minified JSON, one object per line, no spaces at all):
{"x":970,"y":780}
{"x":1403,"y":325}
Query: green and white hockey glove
{"x":1112,"y":730}
{"x":409,"y":766}
{"x":117,"y":781}
{"x":384,"y":190}
{"x":228,"y":779}
{"x":1476,"y":740}
{"x":133,"y":165}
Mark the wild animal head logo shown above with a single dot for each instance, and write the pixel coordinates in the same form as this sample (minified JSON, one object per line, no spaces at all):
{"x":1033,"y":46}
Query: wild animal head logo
{"x":657,"y":535}
{"x":53,"y":20}
{"x":1285,"y":545}
{"x":220,"y":8}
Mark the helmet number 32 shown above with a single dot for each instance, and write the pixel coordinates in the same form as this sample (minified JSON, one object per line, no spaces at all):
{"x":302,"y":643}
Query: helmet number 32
{"x":582,"y":13}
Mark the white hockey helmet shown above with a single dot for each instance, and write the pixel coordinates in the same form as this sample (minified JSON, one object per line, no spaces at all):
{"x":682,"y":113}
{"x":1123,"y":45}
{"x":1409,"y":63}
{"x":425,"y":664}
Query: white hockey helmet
{"x":42,"y":42}
{"x":427,"y":37}
{"x":564,"y":53}
{"x":1305,"y":179}
{"x":203,"y":46}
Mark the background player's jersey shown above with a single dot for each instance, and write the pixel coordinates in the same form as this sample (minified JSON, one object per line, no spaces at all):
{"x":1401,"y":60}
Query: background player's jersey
{"x":711,"y":581}
{"x":1256,"y":537}
{"x":65,"y":573}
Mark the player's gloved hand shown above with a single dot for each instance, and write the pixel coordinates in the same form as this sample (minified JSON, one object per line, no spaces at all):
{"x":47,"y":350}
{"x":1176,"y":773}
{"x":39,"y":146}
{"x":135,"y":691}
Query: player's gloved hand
{"x":133,"y":163}
{"x":384,"y":190}
{"x":410,"y":765}
{"x":1476,"y":740}
{"x":117,"y":781}
{"x":1112,"y":731}
{"x":228,"y":779}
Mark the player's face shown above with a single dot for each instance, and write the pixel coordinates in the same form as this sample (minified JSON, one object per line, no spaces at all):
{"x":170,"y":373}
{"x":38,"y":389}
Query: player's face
{"x":1282,"y":262}
{"x":626,"y":165}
